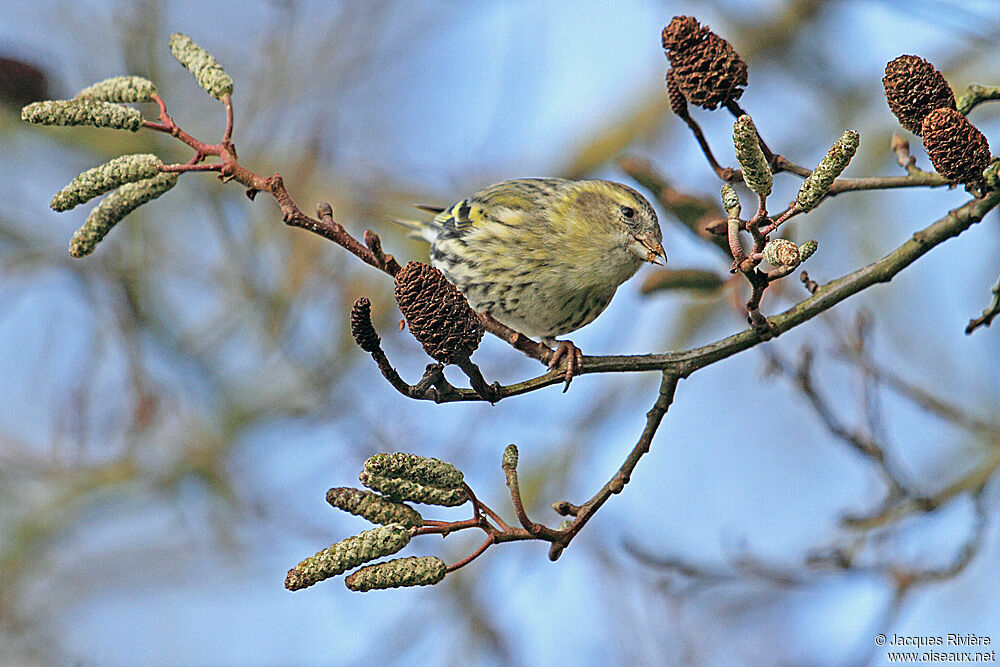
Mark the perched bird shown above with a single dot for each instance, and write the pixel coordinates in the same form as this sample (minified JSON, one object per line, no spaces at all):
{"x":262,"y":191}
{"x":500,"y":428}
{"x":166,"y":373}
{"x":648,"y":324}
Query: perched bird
{"x":543,"y":256}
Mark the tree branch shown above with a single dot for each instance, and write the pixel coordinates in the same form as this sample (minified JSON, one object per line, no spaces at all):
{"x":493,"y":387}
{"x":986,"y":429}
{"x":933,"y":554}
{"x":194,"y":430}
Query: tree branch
{"x":823,"y":298}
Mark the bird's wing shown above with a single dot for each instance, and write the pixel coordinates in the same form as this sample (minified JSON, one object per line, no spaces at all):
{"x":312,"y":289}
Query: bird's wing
{"x":498,"y":203}
{"x":459,"y":216}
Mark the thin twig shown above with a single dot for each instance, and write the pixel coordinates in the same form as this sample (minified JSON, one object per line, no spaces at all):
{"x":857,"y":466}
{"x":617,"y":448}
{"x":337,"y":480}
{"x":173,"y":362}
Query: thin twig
{"x":668,"y":384}
{"x":991,"y":311}
{"x":487,"y":543}
{"x":515,"y":498}
{"x":976,"y":95}
{"x":727,"y":174}
{"x":227,"y":135}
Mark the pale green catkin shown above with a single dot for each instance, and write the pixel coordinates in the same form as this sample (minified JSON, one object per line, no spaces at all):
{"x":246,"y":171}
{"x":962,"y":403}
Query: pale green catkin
{"x":412,"y":571}
{"x":807,"y":249}
{"x":509,"y":460}
{"x":210,"y":75}
{"x":82,"y":112}
{"x":116,"y":206}
{"x":108,"y":176}
{"x":120,"y":89}
{"x":373,"y":507}
{"x":419,"y":469}
{"x":403,"y":490}
{"x":730,"y":200}
{"x":818,"y":183}
{"x":348,"y":553}
{"x":750,"y":157}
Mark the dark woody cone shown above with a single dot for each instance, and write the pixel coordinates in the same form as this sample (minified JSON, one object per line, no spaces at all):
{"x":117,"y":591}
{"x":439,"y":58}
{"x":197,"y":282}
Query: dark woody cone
{"x":958,"y":150}
{"x":913,"y":88}
{"x":361,"y":325}
{"x":437,"y":313}
{"x":678,"y":103}
{"x":707,"y":69}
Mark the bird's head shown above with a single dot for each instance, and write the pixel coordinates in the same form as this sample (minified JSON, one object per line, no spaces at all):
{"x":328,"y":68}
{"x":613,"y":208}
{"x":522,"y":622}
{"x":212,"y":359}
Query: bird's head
{"x":642,"y":229}
{"x":624,"y":216}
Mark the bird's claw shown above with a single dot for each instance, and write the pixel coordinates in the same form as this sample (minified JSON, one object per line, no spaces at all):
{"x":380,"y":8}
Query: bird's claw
{"x":574,"y":357}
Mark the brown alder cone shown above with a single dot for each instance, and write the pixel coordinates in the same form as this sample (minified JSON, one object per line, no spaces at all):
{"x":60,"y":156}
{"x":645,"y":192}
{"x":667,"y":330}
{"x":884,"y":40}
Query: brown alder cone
{"x":678,"y":103}
{"x":707,"y":69}
{"x":361,"y":325}
{"x":913,"y":88}
{"x":437,"y":313}
{"x":958,"y":150}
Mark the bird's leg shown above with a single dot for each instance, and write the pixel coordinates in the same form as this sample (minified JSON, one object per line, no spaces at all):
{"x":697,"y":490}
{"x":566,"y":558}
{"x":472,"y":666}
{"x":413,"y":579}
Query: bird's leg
{"x":574,"y":357}
{"x":563,"y":348}
{"x":518,"y":340}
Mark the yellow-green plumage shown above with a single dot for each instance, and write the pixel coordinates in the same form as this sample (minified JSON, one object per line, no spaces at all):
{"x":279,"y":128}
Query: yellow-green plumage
{"x":543,"y":256}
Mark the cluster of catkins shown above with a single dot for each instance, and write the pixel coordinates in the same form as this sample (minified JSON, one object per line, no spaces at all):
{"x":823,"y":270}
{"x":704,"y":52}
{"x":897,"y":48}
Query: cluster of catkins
{"x":708,"y":72}
{"x":132,"y":180}
{"x":395,"y":479}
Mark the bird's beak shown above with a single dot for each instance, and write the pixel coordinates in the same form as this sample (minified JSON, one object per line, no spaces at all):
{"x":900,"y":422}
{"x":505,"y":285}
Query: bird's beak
{"x":648,"y":250}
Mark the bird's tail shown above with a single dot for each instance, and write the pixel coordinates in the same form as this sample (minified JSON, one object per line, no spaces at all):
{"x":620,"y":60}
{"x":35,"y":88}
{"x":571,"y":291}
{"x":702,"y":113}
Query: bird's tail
{"x":420,"y":229}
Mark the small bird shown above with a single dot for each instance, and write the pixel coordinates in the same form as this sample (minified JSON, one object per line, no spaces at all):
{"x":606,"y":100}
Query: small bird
{"x":543,"y":256}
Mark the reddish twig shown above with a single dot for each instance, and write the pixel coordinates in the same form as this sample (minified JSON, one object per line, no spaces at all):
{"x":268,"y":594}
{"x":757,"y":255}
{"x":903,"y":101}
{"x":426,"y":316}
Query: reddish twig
{"x":487,"y":543}
{"x":227,"y":135}
{"x":181,"y":168}
{"x":727,"y":174}
{"x":517,"y":502}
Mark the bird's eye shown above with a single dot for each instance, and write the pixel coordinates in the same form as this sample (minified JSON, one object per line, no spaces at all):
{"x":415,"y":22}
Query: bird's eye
{"x":628,"y":212}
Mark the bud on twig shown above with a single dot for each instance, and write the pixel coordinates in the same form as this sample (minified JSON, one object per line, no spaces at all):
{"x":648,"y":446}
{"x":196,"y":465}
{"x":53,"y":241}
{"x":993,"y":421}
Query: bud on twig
{"x":412,"y":571}
{"x":818,"y":183}
{"x":373,"y":507}
{"x":807,"y":249}
{"x":509,"y":460}
{"x":342,"y":556}
{"x":750,"y":157}
{"x":116,"y":206}
{"x":82,"y":112}
{"x":209,"y":73}
{"x":120,"y":89}
{"x":991,"y":175}
{"x":108,"y":176}
{"x":730,"y":200}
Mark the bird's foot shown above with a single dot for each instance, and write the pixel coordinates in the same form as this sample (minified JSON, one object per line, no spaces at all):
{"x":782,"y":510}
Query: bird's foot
{"x":573,"y":355}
